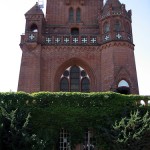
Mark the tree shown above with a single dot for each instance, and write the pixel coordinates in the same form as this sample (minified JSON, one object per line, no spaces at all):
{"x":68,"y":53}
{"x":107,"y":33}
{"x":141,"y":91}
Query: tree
{"x":15,"y":131}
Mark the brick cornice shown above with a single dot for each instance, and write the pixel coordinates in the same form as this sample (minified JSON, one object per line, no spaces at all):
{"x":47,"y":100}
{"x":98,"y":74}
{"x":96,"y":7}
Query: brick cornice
{"x":117,"y":43}
{"x":71,"y":47}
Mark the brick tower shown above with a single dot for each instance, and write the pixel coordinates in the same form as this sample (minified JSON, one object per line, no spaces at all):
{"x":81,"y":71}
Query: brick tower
{"x":80,"y":45}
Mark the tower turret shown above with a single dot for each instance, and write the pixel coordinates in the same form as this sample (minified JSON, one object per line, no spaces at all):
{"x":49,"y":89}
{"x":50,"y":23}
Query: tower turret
{"x":116,"y":22}
{"x":35,"y":22}
{"x":118,"y":48}
{"x":29,"y":79}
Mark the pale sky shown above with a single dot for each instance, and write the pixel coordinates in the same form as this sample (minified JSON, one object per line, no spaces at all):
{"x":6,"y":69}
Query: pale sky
{"x":13,"y":25}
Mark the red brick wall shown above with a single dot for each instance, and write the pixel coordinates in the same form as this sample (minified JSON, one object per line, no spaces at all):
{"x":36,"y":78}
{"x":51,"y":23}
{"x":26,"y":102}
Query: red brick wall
{"x":106,"y":63}
{"x":29,"y":80}
{"x":56,"y":59}
{"x":106,"y":66}
{"x":118,"y":64}
{"x":58,"y":11}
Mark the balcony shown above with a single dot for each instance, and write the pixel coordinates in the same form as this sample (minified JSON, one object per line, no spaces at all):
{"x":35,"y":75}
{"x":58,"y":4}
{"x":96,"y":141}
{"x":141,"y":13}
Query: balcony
{"x":71,"y":40}
{"x":60,"y":39}
{"x":33,"y":37}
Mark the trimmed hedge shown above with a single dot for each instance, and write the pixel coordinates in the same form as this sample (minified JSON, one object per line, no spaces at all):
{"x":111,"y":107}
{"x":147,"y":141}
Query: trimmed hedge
{"x":73,"y":111}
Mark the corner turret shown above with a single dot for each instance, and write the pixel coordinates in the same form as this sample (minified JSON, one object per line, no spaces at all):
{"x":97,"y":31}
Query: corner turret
{"x":116,"y":22}
{"x":35,"y":22}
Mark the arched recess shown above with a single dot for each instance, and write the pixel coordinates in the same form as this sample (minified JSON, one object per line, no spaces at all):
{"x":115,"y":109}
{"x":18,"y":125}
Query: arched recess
{"x":123,"y":82}
{"x":33,"y":27}
{"x":74,"y":62}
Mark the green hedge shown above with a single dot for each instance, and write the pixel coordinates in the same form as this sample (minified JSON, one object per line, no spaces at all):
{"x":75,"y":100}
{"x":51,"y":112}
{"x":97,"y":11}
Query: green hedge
{"x":73,"y":111}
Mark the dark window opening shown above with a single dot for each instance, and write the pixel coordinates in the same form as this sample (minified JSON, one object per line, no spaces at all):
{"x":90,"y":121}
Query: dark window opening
{"x":78,"y":15}
{"x":64,"y":85}
{"x":106,"y":27}
{"x":123,"y":90}
{"x":74,"y":79}
{"x":117,"y":26}
{"x":71,"y":15}
{"x":34,"y":28}
{"x":85,"y":85}
{"x":74,"y":31}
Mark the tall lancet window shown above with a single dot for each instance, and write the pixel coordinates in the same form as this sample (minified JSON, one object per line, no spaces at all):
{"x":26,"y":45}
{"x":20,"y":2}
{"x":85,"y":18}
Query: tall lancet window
{"x":78,"y":15}
{"x":106,"y":27}
{"x":117,"y":26}
{"x":75,"y":79}
{"x":71,"y":15}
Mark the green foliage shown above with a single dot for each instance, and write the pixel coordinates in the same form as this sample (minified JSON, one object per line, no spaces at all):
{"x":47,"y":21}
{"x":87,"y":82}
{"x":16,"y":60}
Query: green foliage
{"x":132,"y":130}
{"x":16,"y":133}
{"x":72,"y":111}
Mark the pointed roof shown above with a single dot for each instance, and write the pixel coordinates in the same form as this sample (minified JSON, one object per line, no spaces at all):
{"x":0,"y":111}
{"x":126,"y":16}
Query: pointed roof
{"x":115,"y":4}
{"x":35,"y":10}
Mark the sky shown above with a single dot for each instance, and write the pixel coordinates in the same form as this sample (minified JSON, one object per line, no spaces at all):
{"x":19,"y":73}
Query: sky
{"x":13,"y":25}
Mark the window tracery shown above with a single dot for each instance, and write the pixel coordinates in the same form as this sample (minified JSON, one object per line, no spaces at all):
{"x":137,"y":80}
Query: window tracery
{"x":75,"y":79}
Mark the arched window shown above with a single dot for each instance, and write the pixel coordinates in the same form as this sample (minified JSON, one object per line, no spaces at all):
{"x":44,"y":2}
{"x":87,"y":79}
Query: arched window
{"x":71,"y":15}
{"x":34,"y":28}
{"x":123,"y":87}
{"x":78,"y":15}
{"x":117,"y":26}
{"x":75,"y":79}
{"x":106,"y":27}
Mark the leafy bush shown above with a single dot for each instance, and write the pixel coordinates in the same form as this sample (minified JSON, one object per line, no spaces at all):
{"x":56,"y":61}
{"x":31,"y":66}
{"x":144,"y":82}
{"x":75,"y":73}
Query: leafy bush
{"x":132,"y":132}
{"x":51,"y":112}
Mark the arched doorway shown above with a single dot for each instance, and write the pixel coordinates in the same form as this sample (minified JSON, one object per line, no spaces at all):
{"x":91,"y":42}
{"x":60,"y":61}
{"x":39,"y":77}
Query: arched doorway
{"x":123,"y":87}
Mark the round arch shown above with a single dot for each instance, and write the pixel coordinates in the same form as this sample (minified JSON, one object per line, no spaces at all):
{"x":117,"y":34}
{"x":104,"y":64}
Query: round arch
{"x":74,"y":62}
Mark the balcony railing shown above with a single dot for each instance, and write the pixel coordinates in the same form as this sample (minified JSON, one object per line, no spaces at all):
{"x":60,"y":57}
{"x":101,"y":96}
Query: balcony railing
{"x":74,"y":39}
{"x":61,"y":39}
{"x":29,"y":37}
